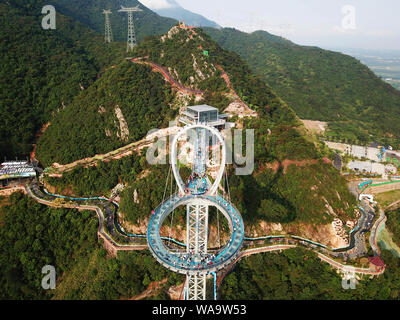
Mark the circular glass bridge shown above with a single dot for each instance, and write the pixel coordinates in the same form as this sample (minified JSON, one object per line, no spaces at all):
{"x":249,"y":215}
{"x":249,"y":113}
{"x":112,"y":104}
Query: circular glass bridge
{"x":188,"y":263}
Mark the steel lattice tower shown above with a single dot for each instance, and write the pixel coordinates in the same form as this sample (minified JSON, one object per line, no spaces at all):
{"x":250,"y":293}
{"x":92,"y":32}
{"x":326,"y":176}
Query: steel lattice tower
{"x":108,"y":32}
{"x":131,"y":27}
{"x":197,"y":223}
{"x":197,"y":234}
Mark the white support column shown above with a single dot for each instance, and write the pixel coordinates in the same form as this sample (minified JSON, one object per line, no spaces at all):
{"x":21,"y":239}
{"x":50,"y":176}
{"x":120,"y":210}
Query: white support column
{"x":197,"y":228}
{"x":196,"y":287}
{"x":197,"y":242}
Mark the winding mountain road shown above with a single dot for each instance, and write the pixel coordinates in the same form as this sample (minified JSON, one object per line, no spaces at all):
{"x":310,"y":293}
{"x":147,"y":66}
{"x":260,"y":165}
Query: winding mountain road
{"x":108,"y":232}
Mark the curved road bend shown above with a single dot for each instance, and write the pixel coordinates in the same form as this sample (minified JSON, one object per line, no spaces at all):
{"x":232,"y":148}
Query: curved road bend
{"x":374,"y":232}
{"x":34,"y":192}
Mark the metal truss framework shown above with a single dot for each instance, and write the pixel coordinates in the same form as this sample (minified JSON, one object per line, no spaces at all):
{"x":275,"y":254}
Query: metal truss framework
{"x":108,"y":32}
{"x":181,"y":185}
{"x":196,"y":287}
{"x":197,"y":232}
{"x":197,"y":229}
{"x":131,"y":27}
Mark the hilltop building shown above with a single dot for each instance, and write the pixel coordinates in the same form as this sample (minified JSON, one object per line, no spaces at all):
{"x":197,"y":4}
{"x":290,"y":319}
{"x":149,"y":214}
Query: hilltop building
{"x":376,"y":263}
{"x":203,"y":114}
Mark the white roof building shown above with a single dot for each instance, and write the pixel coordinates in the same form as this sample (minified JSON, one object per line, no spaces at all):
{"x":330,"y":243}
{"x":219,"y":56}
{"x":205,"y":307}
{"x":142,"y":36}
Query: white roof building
{"x":16,"y":169}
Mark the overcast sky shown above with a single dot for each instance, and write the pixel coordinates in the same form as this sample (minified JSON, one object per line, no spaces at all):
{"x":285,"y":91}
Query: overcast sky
{"x":326,"y":23}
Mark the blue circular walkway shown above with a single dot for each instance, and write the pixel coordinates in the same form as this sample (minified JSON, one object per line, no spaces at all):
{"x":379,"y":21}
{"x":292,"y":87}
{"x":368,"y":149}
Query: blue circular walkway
{"x":186,"y":263}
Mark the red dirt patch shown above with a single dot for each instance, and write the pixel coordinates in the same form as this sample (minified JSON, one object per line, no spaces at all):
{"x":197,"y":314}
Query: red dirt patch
{"x":274,"y":166}
{"x":38,"y":134}
{"x":286,"y":163}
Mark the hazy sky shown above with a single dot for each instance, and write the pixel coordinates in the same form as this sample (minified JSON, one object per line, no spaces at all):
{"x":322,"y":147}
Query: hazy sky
{"x":326,"y":23}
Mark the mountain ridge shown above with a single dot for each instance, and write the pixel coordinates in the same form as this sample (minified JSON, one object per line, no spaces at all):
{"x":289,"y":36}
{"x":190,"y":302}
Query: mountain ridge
{"x":174,"y":10}
{"x":321,"y":85}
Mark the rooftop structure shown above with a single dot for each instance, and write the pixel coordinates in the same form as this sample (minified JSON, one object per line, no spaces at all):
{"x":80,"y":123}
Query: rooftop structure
{"x":16,"y":169}
{"x":203,"y":114}
{"x":377,"y":262}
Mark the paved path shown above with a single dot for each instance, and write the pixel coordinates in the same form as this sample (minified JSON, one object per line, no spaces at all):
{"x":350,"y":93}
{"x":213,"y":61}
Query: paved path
{"x":57,"y":169}
{"x":375,"y":231}
{"x":104,"y":214}
{"x":7,"y":191}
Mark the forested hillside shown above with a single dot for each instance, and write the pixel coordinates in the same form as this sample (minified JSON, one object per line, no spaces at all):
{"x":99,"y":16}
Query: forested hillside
{"x":298,"y":274}
{"x":42,"y":70}
{"x":98,"y":101}
{"x":90,"y":13}
{"x":122,"y":106}
{"x":298,"y":189}
{"x":393,"y":224}
{"x":33,"y":235}
{"x":321,"y":85}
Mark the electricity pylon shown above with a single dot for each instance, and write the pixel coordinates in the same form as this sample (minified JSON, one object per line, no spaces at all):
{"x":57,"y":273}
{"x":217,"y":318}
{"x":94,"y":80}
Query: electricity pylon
{"x":131,"y":28}
{"x":108,"y":32}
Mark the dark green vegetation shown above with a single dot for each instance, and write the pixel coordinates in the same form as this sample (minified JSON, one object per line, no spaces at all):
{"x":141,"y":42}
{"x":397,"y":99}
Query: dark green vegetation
{"x":321,"y":85}
{"x":298,"y":274}
{"x":149,"y":195}
{"x":150,"y":191}
{"x":90,"y":13}
{"x":99,"y":180}
{"x":105,"y":278}
{"x":393,"y":224}
{"x":42,"y":70}
{"x":39,"y":81}
{"x":91,"y":124}
{"x":300,"y":194}
{"x":33,"y":235}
